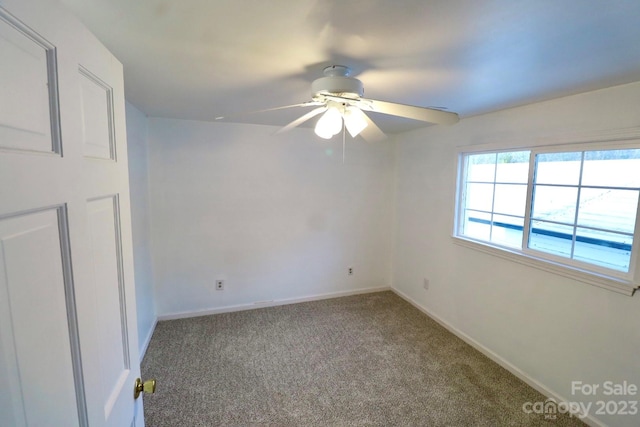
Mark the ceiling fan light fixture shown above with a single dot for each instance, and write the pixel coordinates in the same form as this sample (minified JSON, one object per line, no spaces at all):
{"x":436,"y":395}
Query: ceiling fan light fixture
{"x":340,"y":105}
{"x":355,"y":121}
{"x":329,"y":124}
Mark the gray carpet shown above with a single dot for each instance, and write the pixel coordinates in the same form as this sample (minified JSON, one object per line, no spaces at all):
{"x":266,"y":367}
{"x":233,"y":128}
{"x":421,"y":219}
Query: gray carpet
{"x":365,"y":360}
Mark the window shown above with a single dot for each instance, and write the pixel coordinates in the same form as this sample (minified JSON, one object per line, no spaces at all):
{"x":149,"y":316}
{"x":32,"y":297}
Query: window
{"x":576,"y":208}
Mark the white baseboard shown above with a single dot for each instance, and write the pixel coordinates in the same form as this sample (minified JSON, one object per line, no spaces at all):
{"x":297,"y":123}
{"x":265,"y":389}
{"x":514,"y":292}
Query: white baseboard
{"x":147,"y":340}
{"x":273,"y":303}
{"x":589,"y":419}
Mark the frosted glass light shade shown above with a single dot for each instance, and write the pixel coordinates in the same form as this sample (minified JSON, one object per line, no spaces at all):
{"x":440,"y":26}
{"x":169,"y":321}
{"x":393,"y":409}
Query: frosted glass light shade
{"x":329,"y":124}
{"x":355,"y":121}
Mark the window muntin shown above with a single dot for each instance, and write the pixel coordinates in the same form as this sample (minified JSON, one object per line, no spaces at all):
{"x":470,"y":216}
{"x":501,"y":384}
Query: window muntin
{"x":582,"y":205}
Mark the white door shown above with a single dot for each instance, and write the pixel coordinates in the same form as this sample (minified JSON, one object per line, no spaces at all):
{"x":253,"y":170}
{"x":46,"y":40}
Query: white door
{"x":68,"y":340}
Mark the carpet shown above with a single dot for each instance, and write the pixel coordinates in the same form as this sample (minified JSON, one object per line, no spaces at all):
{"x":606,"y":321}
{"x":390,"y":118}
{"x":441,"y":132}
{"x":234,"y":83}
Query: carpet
{"x":364,"y":360}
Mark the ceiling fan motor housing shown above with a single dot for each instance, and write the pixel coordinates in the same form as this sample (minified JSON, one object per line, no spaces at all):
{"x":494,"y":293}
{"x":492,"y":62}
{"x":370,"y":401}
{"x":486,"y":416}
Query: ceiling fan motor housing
{"x":337,"y":82}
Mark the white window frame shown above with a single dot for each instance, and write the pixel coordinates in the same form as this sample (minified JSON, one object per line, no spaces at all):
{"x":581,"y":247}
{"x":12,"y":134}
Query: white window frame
{"x":618,"y":281}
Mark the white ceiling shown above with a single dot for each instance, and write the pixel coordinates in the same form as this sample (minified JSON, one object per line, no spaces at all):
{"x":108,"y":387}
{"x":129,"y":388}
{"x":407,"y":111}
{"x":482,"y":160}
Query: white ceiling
{"x":198,"y":59}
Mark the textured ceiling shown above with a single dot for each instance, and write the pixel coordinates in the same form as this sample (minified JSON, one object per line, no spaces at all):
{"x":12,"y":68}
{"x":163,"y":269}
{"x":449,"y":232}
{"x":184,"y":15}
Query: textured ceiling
{"x":199,"y":59}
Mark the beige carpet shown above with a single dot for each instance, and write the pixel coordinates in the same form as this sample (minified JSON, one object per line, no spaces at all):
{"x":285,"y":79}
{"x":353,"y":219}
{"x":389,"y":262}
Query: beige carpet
{"x":366,"y":360}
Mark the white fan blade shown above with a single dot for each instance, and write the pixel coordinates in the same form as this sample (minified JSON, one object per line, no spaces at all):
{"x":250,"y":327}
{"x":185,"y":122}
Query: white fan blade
{"x":372,"y":132}
{"x":302,"y":119}
{"x":409,"y":111}
{"x":304,"y":104}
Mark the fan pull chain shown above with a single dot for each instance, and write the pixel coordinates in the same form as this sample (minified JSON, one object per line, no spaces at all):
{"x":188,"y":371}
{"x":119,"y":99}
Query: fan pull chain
{"x":344,"y":142}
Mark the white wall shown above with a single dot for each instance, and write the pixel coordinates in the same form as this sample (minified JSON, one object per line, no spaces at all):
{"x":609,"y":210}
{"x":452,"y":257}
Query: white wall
{"x":137,"y":134}
{"x":277,"y":217}
{"x":556,"y":330}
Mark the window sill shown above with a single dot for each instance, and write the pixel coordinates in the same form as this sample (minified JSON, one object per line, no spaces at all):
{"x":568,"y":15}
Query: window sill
{"x":615,"y":284}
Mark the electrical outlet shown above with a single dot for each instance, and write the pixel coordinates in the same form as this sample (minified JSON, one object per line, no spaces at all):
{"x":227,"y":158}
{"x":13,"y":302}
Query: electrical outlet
{"x":425,"y":284}
{"x":219,"y":285}
{"x":350,"y":271}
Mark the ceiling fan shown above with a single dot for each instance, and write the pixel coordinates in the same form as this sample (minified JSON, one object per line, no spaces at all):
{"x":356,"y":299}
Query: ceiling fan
{"x":339,"y":98}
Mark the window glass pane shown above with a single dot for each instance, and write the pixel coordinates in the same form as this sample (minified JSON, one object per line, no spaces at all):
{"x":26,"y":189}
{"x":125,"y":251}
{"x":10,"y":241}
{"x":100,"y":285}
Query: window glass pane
{"x":609,"y":209}
{"x":510,"y":199}
{"x":558,"y":168}
{"x":479,"y":196}
{"x":608,"y":250}
{"x":481,"y":167}
{"x":513,"y":167}
{"x":551,"y":238}
{"x":555,"y":203}
{"x":476,"y":225}
{"x":612,"y":168}
{"x":507,"y":230}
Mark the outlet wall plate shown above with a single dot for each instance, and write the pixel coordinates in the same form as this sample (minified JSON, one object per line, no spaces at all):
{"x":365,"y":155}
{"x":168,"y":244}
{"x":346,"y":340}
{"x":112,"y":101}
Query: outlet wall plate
{"x":425,"y":283}
{"x":219,"y":285}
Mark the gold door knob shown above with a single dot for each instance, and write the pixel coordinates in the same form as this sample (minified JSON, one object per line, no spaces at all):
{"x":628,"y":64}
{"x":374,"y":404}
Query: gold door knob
{"x":148,"y":387}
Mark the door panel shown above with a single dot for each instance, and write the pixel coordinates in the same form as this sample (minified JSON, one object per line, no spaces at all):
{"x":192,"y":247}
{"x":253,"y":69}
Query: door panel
{"x":113,"y":339}
{"x":29,"y":94}
{"x":97,"y":116}
{"x":32,"y":292}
